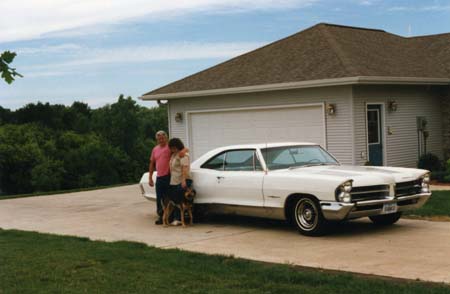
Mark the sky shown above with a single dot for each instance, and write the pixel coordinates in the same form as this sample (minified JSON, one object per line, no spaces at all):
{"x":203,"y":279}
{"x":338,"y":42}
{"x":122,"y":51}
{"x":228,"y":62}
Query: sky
{"x":95,"y":50}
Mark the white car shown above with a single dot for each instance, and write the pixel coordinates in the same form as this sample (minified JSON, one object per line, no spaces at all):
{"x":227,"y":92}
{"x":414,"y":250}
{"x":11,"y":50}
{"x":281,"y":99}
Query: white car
{"x":301,"y":183}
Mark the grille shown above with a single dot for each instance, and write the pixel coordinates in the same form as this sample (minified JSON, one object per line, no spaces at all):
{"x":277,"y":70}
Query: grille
{"x":370,"y":192}
{"x":408,"y":188}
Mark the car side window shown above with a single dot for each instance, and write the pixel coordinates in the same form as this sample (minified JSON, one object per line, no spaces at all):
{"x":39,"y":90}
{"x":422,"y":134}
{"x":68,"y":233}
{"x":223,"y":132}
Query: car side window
{"x":215,"y":163}
{"x":240,"y":160}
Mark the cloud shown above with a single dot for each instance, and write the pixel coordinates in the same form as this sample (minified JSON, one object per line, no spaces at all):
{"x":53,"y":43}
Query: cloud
{"x":421,"y":8}
{"x":86,"y":57}
{"x":366,"y":2}
{"x":40,"y":74}
{"x":30,"y":19}
{"x":61,"y":48}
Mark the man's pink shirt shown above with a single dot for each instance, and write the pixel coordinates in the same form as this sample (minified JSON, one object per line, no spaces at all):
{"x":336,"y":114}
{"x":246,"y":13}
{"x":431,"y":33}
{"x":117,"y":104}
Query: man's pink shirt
{"x":161,"y":156}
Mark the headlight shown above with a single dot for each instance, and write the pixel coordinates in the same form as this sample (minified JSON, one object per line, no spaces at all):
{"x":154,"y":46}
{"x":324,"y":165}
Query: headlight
{"x":426,"y":178}
{"x":343,"y":192}
{"x":426,"y":183}
{"x":347,"y":187}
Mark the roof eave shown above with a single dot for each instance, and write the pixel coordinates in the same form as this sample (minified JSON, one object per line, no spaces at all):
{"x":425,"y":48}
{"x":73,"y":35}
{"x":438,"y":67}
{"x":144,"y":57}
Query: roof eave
{"x":369,"y":80}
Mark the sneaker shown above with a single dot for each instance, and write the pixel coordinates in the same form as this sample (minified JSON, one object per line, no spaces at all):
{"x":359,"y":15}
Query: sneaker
{"x":175,"y":223}
{"x":159,"y":221}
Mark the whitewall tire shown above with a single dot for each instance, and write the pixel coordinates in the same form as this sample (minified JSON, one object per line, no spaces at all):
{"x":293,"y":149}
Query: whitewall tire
{"x":307,"y":216}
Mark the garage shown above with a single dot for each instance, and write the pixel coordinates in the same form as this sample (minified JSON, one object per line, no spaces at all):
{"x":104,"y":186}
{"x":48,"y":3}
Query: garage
{"x":208,"y":129}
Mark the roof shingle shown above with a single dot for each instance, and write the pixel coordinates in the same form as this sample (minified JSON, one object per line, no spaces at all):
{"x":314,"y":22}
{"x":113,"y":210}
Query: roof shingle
{"x":325,"y":51}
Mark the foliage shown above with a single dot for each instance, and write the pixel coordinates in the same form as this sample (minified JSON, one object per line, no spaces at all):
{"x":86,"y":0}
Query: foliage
{"x":46,"y":147}
{"x":429,"y":162}
{"x":43,"y":263}
{"x":447,"y":176}
{"x":438,"y":176}
{"x":47,"y":175}
{"x":8,"y":73}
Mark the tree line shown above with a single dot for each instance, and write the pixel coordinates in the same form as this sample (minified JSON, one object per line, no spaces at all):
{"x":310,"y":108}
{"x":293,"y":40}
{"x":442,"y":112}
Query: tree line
{"x":45,"y":147}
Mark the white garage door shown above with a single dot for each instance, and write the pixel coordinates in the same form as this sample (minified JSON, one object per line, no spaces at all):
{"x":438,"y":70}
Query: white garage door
{"x":209,"y":130}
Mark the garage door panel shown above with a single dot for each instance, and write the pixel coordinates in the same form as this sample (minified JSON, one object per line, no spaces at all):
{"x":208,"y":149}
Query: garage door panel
{"x":210,"y":130}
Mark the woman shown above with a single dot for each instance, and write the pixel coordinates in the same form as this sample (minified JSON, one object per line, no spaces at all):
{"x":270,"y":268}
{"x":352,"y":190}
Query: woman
{"x":180,"y":174}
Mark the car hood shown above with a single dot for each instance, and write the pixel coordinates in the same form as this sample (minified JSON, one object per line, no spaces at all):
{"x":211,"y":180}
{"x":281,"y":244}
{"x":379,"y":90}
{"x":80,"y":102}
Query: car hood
{"x":361,"y":175}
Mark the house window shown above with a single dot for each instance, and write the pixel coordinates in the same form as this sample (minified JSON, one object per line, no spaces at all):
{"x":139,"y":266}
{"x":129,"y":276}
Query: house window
{"x":373,"y":126}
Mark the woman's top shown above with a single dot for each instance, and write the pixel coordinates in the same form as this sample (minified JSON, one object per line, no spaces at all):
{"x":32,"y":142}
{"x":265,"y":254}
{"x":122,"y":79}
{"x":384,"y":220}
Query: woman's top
{"x":176,"y":168}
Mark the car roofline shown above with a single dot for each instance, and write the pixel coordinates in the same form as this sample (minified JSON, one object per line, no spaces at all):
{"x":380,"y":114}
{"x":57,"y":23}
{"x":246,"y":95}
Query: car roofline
{"x":269,"y":145}
{"x":260,"y":146}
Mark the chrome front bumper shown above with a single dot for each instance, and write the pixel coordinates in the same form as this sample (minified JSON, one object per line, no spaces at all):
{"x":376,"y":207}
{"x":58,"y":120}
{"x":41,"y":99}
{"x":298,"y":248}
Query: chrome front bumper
{"x":340,"y":211}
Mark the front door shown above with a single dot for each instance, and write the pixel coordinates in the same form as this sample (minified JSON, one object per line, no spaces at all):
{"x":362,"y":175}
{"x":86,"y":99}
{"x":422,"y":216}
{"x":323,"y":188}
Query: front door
{"x":234,"y":177}
{"x":242,"y":179}
{"x":375,"y":134}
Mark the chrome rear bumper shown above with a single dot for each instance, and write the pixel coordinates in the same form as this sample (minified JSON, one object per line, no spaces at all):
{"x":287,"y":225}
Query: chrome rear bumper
{"x":147,"y":195}
{"x":340,"y":211}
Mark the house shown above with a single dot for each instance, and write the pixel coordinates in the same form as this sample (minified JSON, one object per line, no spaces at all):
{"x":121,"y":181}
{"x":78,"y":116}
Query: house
{"x":366,"y":95}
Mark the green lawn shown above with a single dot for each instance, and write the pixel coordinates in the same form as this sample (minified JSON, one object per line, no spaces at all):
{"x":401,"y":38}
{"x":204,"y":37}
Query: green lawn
{"x":437,"y":205}
{"x":42,"y":263}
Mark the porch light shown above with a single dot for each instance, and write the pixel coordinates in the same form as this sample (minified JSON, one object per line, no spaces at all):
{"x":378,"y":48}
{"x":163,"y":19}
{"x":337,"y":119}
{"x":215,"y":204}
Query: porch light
{"x":331,"y":109}
{"x":392,"y":105}
{"x":178,"y":117}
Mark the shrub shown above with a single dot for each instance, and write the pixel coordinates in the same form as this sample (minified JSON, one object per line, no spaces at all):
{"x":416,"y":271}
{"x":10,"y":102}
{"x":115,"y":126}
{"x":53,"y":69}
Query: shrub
{"x":447,"y":176}
{"x":430,"y":162}
{"x":438,"y":176}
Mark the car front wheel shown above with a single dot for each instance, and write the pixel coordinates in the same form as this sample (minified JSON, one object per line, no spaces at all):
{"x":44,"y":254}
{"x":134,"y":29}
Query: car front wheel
{"x":386,"y":219}
{"x":307,"y":216}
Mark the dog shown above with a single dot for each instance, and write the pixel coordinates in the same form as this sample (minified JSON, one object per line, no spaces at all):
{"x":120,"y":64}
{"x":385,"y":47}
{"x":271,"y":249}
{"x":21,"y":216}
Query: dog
{"x":185,"y":204}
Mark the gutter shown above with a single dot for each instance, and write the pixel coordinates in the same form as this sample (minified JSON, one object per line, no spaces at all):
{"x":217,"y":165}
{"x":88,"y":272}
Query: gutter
{"x":362,"y":80}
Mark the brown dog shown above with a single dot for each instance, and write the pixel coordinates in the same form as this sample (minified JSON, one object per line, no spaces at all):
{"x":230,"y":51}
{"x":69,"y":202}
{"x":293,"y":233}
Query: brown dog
{"x":185,"y":204}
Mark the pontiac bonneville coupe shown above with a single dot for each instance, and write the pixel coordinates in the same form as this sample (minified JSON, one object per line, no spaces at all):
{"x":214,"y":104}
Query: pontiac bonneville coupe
{"x":303,"y":184}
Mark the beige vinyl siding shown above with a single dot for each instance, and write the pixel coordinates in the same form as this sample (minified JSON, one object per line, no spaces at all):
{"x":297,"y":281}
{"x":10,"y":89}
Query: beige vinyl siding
{"x":402,"y":145}
{"x":338,"y":127}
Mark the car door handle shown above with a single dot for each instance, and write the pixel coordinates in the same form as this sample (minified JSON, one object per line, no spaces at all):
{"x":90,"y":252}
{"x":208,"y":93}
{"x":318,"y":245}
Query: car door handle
{"x":220,"y":178}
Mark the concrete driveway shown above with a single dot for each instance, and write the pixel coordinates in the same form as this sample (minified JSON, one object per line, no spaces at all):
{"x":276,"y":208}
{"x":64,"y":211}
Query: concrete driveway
{"x":411,"y":249}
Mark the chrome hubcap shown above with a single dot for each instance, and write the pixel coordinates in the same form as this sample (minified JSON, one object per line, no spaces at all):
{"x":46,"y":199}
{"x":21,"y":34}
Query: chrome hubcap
{"x":306,"y":214}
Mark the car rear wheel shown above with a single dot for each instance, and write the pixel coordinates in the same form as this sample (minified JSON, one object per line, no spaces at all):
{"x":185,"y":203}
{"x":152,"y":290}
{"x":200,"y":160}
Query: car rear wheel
{"x":307,"y":216}
{"x":386,"y":219}
{"x":199,"y":213}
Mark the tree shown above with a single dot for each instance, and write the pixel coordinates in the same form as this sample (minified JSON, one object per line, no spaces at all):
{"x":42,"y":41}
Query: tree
{"x":5,"y":115}
{"x":118,"y":123}
{"x":46,"y":147}
{"x":8,"y":73}
{"x":47,"y":175}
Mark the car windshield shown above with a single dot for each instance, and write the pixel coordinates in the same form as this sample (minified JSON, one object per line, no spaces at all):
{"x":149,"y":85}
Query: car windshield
{"x":296,"y":156}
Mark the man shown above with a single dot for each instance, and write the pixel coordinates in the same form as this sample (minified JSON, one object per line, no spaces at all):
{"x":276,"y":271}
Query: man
{"x":160,"y":159}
